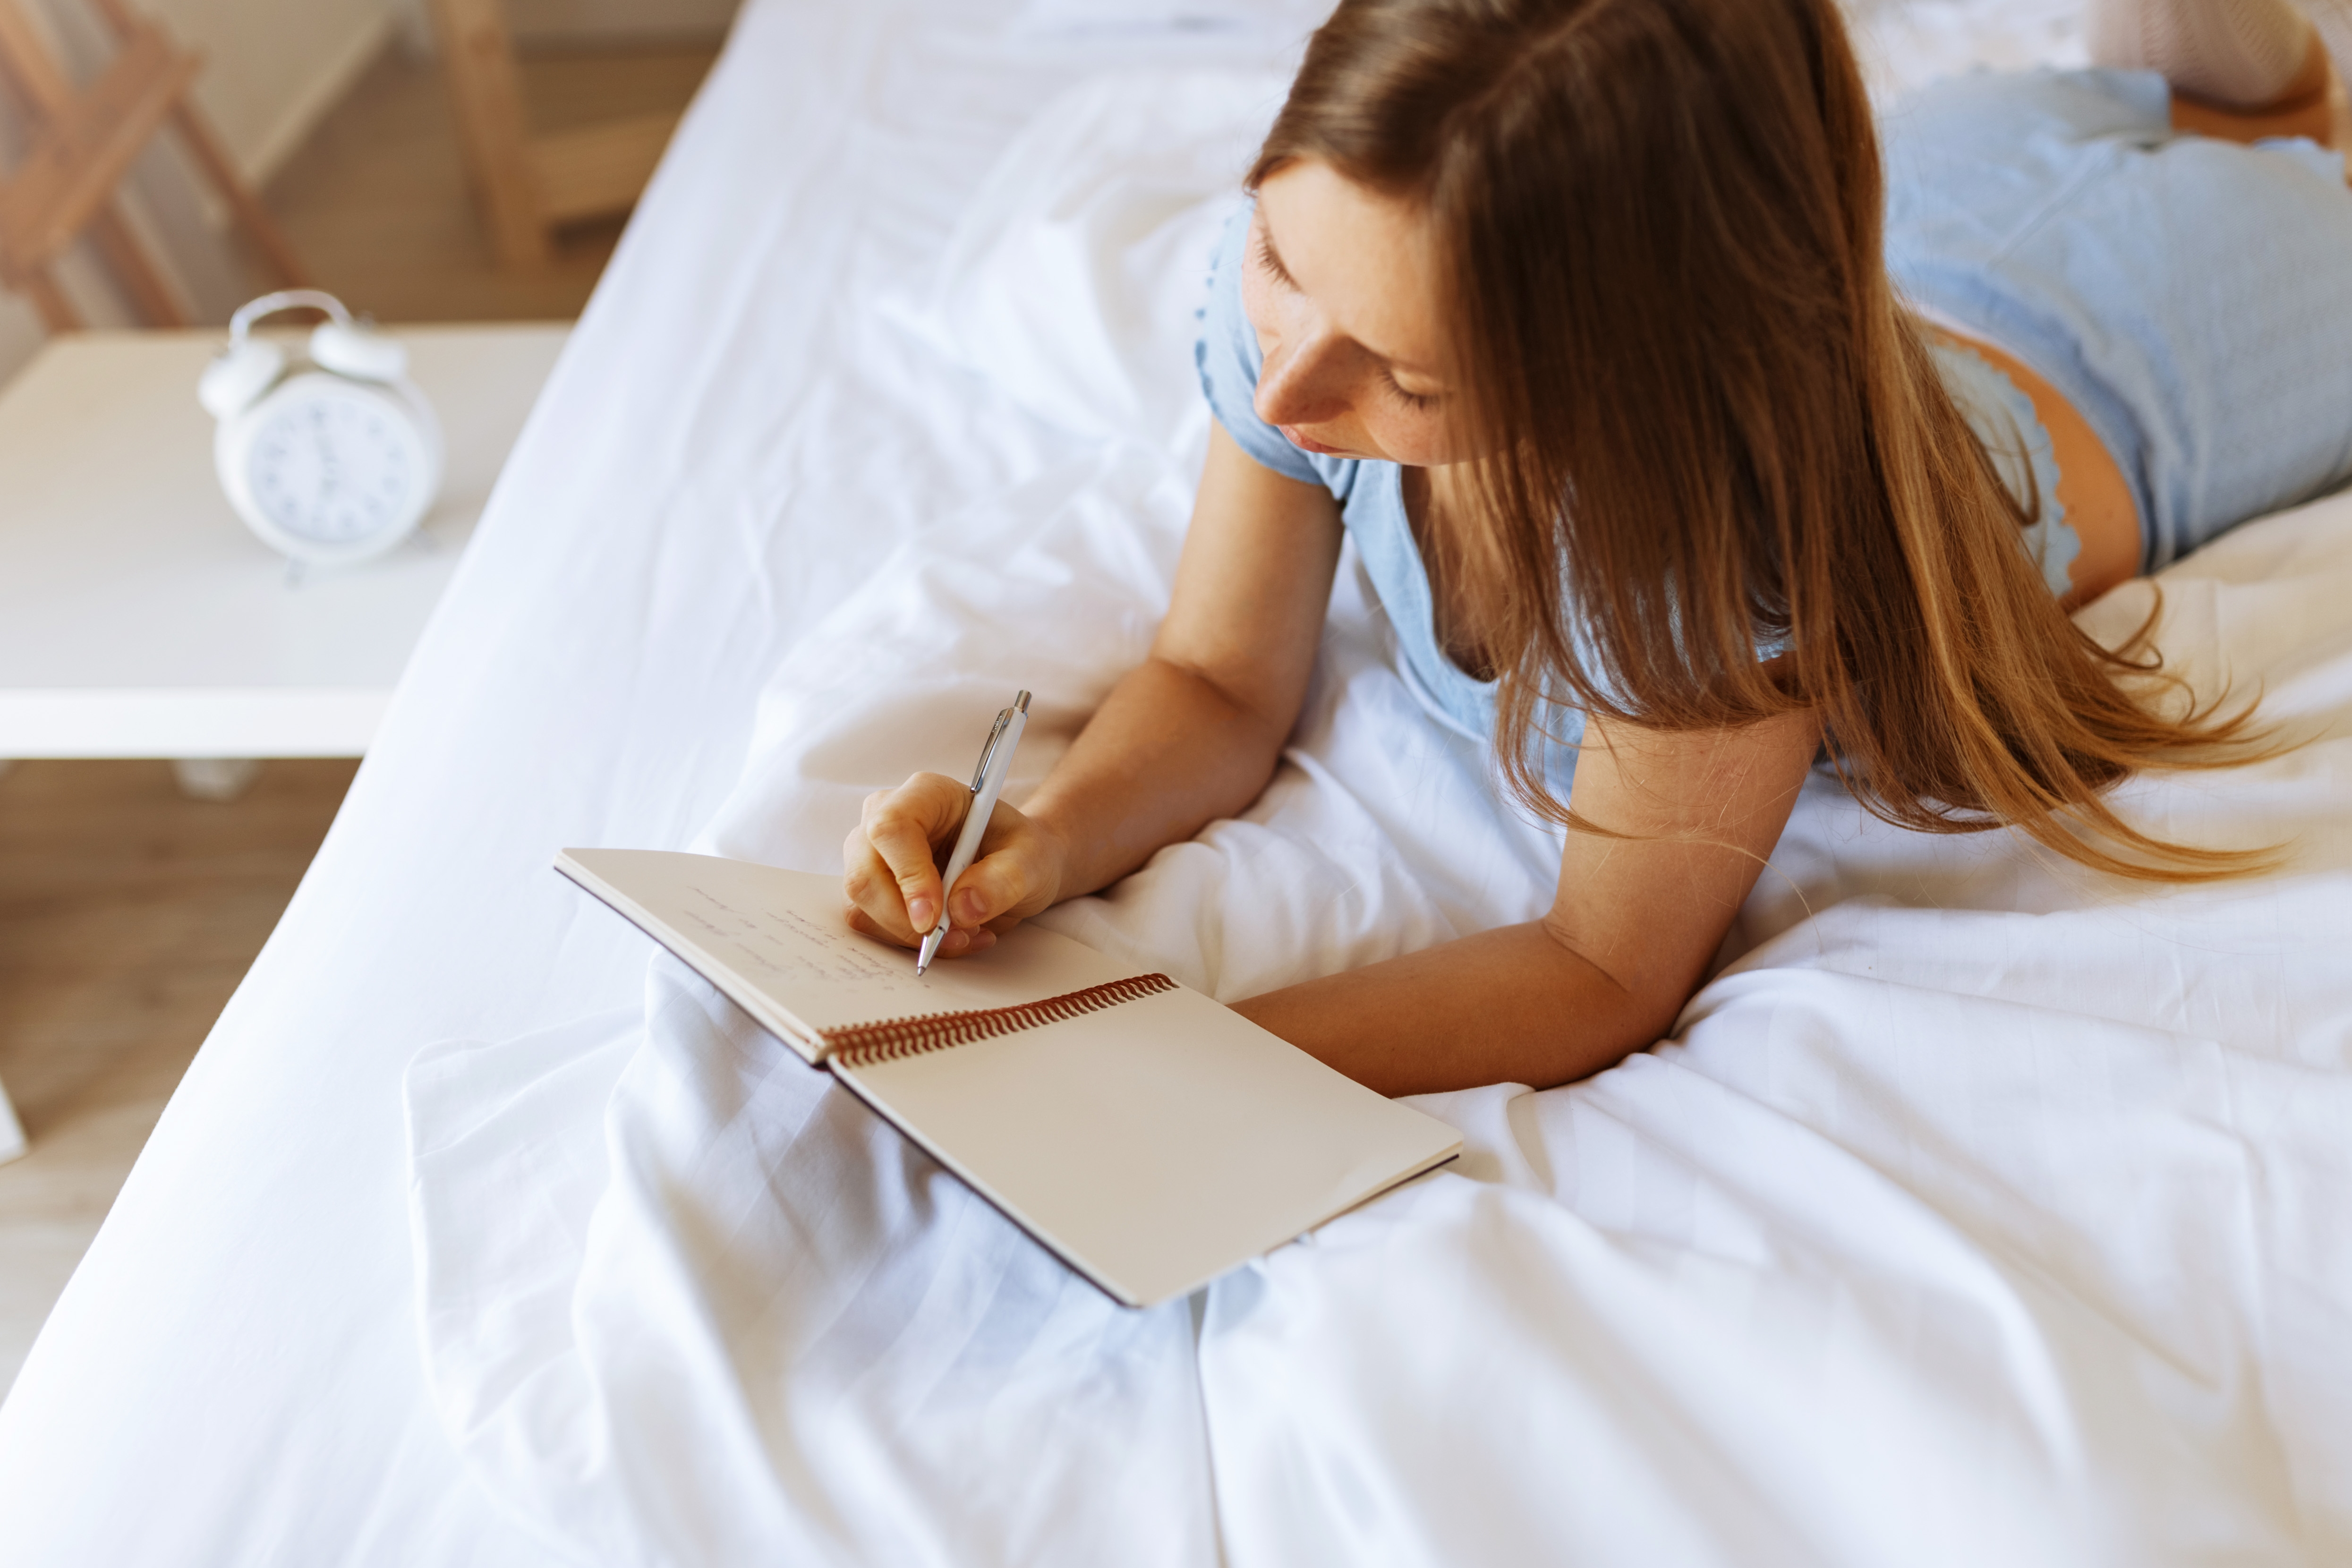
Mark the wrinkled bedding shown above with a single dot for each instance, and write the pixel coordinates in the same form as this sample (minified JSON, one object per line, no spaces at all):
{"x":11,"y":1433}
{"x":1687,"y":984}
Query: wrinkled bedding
{"x":1980,"y":1209}
{"x":1975,"y":1211}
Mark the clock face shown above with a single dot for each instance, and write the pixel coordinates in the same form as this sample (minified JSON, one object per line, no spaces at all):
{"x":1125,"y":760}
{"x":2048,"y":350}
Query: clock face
{"x":334,"y":464}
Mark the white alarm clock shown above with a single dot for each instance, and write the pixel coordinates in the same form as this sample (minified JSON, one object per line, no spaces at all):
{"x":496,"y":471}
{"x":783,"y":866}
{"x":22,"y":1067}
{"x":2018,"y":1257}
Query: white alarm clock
{"x":332,"y":458}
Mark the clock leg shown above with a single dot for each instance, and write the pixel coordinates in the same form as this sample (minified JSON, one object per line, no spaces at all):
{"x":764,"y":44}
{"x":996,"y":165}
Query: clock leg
{"x":214,"y":778}
{"x":12,"y":1132}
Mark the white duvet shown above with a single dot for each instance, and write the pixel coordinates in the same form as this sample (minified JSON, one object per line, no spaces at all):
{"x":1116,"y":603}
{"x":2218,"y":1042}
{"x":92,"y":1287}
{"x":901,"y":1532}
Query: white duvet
{"x":1978,"y":1210}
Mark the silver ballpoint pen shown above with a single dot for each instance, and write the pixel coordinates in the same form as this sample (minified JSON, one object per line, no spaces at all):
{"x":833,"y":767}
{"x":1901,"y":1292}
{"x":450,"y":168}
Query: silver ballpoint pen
{"x":987,"y":784}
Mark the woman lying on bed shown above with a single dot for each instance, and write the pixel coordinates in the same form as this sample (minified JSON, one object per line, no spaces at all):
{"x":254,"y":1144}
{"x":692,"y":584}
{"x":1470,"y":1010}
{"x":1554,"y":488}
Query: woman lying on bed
{"x":1845,"y":419}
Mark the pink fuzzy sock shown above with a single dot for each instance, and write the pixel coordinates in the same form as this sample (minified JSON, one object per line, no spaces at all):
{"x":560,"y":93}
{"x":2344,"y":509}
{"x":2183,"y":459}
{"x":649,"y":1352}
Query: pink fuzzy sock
{"x":2236,"y":54}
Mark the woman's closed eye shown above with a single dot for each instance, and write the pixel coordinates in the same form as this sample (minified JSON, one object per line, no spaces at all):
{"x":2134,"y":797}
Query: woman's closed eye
{"x":1414,"y":400}
{"x":1377,"y":377}
{"x":1262,"y":248}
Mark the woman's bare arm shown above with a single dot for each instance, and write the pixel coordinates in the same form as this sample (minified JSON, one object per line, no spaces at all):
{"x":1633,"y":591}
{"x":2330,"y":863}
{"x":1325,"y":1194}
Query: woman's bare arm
{"x":1190,"y":736}
{"x":1631,"y":930}
{"x":1194,"y":733}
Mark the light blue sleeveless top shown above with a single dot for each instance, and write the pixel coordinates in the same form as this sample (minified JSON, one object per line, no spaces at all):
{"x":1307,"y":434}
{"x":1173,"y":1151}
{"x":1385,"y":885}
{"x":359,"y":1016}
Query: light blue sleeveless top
{"x":1371,"y":495}
{"x":2013,"y":437}
{"x":2185,"y":295}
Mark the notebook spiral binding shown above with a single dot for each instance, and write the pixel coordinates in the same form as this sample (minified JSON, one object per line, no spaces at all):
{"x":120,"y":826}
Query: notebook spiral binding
{"x":861,"y":1044}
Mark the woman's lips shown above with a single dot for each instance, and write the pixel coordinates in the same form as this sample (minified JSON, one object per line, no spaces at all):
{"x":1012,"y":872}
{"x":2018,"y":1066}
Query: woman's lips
{"x":1291,"y":434}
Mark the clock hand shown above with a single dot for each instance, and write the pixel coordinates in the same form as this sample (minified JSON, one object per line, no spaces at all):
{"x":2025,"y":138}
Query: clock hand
{"x":327,"y":475}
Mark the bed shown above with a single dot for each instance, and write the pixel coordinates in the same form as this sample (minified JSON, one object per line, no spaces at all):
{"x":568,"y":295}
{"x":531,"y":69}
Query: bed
{"x":1976,"y":1211}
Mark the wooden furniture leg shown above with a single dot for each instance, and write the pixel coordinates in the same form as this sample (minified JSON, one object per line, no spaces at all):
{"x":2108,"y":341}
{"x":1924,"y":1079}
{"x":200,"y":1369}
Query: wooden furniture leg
{"x":487,"y":92}
{"x":204,"y":145}
{"x":51,"y":95}
{"x":83,"y":142}
{"x":58,"y":313}
{"x":529,"y":184}
{"x":127,"y":260}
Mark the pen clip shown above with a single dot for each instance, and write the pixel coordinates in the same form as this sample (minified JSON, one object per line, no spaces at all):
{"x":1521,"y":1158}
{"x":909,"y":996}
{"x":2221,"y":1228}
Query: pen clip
{"x":988,"y":752}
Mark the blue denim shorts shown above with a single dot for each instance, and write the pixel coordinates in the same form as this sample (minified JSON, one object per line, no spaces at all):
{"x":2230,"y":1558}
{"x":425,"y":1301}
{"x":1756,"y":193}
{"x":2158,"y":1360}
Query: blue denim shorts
{"x":2191,"y":298}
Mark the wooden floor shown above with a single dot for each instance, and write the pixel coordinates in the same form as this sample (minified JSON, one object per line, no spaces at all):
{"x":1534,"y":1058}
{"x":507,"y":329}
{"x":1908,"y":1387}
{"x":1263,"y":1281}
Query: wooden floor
{"x":376,"y":201}
{"x":128,"y":912}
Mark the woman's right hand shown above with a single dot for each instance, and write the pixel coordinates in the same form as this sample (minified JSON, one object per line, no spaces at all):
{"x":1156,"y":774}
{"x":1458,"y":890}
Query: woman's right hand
{"x":891,"y":868}
{"x":1190,"y":734}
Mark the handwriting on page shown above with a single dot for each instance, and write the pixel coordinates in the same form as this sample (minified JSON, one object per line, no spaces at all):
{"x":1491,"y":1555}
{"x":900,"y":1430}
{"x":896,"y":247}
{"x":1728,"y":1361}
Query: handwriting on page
{"x":793,"y":948}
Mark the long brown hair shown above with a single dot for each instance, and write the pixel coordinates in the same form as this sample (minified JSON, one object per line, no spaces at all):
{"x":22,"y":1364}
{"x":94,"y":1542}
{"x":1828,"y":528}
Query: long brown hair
{"x":1660,"y":223}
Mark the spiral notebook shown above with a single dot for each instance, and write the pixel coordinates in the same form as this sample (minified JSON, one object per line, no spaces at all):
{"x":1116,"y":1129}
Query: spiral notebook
{"x":1149,"y":1136}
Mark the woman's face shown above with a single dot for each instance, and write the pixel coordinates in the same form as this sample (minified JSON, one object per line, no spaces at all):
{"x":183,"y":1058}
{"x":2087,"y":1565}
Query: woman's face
{"x":1339,"y":287}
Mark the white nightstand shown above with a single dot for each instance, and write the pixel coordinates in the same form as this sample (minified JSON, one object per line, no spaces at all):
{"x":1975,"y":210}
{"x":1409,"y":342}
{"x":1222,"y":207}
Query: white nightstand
{"x":138,"y":618}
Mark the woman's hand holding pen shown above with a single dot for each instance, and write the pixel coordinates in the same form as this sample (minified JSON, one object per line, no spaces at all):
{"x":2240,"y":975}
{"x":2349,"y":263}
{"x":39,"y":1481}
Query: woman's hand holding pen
{"x":892,"y":872}
{"x":1190,"y":735}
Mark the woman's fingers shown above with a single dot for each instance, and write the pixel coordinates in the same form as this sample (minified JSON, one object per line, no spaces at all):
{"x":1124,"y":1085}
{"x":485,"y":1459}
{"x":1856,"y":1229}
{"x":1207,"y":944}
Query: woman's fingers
{"x":891,"y":868}
{"x":1008,"y":880}
{"x":889,"y":863}
{"x":955,"y":944}
{"x":876,"y":907}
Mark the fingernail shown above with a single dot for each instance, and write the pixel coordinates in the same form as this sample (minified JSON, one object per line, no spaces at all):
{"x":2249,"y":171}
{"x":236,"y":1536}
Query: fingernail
{"x":967,"y":908}
{"x":920,"y":914}
{"x":957,"y":939}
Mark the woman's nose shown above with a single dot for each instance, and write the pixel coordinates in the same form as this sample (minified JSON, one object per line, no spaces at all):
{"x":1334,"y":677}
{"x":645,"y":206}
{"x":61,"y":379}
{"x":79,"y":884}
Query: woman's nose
{"x":1304,"y":380}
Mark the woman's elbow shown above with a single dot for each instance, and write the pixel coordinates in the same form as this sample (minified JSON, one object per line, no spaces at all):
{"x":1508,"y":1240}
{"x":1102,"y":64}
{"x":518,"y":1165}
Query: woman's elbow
{"x":1605,"y":1019}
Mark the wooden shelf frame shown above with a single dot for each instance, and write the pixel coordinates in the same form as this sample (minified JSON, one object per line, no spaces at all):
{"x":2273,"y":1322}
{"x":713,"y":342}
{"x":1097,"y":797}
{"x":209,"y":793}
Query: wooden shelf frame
{"x":83,"y":143}
{"x":530,"y":183}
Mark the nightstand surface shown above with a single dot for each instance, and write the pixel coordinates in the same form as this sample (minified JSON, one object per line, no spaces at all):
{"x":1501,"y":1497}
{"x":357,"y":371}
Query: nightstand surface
{"x":138,"y":616}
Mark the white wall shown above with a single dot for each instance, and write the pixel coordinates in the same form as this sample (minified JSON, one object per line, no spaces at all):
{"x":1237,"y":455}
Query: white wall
{"x":272,"y":68}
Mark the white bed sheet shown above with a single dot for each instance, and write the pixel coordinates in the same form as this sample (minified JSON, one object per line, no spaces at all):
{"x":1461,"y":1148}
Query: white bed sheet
{"x":1977,"y":1217}
{"x":1986,"y":1215}
{"x":730,"y":441}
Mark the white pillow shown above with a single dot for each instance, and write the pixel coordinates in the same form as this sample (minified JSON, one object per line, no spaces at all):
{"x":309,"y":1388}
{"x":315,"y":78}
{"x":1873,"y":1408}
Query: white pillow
{"x":1074,"y":279}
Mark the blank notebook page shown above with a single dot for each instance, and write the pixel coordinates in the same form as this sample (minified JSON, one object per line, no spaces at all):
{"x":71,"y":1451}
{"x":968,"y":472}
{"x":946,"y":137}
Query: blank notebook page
{"x":1154,"y":1143}
{"x":780,"y":936}
{"x":1157,"y":1143}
